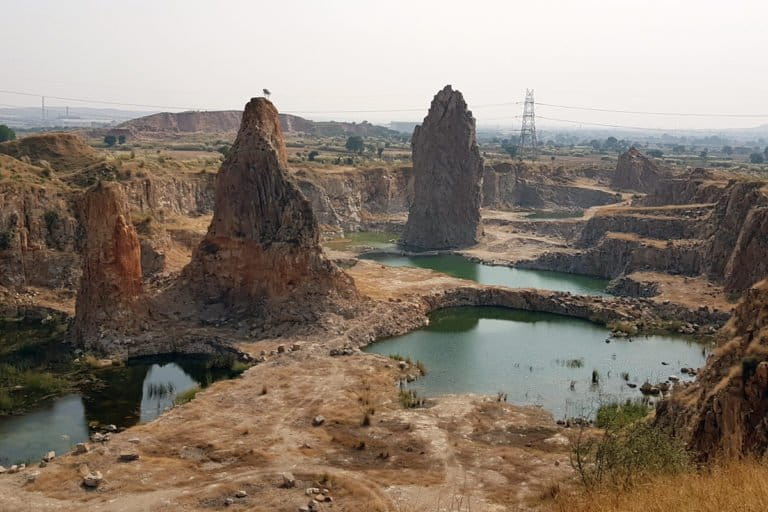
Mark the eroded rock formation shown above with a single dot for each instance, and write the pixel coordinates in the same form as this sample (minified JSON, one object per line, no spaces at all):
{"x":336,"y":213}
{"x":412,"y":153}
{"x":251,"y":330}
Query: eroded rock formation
{"x":262,"y":251}
{"x":448,"y":171}
{"x":111,"y":300}
{"x":62,"y":151}
{"x":634,"y":171}
{"x":723,"y":413}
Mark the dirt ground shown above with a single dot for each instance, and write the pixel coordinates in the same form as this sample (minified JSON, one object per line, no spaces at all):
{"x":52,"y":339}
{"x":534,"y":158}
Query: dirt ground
{"x":371,"y":454}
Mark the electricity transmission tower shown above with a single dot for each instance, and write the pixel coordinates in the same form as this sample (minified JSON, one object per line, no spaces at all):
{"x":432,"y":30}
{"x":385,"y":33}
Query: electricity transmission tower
{"x":528,"y":131}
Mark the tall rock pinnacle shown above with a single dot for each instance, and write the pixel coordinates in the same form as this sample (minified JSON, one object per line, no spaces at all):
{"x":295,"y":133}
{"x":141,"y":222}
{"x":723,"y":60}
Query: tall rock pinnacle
{"x":111,"y":298}
{"x":262,"y":246}
{"x":448,"y":169}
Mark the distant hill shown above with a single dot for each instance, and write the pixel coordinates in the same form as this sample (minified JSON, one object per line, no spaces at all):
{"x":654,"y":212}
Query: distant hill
{"x":228,"y":121}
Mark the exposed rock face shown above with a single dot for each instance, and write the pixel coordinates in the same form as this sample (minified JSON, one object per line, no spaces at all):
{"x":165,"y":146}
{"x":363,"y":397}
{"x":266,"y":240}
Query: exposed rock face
{"x":723,"y":413}
{"x":38,"y":237}
{"x":634,"y":171}
{"x":262,"y":250}
{"x":347,"y":200}
{"x":508,"y":186}
{"x":168,"y":124}
{"x":748,"y":262}
{"x":182,"y":122}
{"x":63,"y":151}
{"x":111,"y":300}
{"x":738,"y":232}
{"x":448,"y":171}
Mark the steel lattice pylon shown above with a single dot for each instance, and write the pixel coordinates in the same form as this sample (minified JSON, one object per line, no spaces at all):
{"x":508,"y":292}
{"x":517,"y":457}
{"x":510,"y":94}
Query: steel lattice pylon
{"x":528,"y":146}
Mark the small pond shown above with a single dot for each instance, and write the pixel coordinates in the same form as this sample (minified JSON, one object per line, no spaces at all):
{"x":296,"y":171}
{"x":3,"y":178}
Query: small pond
{"x":537,"y":358}
{"x":135,"y":393}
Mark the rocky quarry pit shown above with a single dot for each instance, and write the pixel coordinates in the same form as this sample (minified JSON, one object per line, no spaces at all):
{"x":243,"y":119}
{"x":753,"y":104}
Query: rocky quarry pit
{"x":185,"y":262}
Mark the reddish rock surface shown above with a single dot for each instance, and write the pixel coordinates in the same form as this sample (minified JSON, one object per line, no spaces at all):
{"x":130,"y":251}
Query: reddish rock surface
{"x":634,"y":171}
{"x":723,"y":413}
{"x":111,"y":299}
{"x":448,"y":170}
{"x":262,"y":248}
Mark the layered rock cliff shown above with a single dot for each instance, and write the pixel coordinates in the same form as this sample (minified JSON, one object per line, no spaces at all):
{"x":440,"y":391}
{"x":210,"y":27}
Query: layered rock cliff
{"x":448,"y":171}
{"x":111,"y":300}
{"x":723,"y":413}
{"x":635,"y":172}
{"x":262,"y":252}
{"x":508,"y":186}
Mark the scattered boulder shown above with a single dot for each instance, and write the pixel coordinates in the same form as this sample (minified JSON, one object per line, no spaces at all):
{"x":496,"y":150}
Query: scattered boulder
{"x":81,"y":448}
{"x":317,"y":421}
{"x":93,"y":479}
{"x":128,"y":456}
{"x":289,"y":481}
{"x":48,"y":457}
{"x":448,"y":170}
{"x":241,"y":494}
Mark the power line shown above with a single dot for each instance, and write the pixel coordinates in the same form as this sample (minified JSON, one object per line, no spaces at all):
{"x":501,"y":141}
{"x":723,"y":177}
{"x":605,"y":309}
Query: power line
{"x":683,"y":114}
{"x":102,"y":102}
{"x":620,"y":126}
{"x":409,"y":109}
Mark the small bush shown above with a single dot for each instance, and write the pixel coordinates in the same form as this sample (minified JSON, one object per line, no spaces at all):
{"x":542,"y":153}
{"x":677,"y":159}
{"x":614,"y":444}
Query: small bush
{"x":409,"y":399}
{"x":620,"y":415}
{"x":186,"y":396}
{"x":625,"y":327}
{"x":623,"y":457}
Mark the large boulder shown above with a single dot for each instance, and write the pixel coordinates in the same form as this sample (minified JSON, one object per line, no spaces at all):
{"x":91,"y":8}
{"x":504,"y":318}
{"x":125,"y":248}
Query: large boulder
{"x":448,"y":171}
{"x":723,"y":413}
{"x":262,"y":252}
{"x":111,"y":300}
{"x":634,"y":171}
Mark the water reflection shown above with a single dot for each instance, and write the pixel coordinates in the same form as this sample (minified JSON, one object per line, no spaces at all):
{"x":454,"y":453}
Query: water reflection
{"x":536,"y":358}
{"x":135,"y":393}
{"x":461,"y":267}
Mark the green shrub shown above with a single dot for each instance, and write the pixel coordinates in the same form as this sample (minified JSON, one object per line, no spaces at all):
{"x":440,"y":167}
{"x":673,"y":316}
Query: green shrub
{"x":623,"y":457}
{"x":186,"y":396}
{"x":620,"y":415}
{"x":410,"y":399}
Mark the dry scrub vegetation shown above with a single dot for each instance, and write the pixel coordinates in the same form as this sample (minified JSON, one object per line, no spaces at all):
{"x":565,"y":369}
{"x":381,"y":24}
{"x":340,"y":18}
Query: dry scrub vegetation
{"x":738,"y":485}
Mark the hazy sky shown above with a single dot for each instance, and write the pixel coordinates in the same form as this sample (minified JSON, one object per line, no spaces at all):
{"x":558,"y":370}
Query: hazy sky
{"x":697,"y":56}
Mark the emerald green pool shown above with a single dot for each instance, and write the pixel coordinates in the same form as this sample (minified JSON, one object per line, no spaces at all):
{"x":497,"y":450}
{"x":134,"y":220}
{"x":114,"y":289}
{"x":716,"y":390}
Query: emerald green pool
{"x":537,"y":358}
{"x":459,"y":266}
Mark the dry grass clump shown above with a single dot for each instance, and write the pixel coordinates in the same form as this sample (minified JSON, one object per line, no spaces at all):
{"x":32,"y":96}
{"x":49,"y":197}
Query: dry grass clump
{"x":735,"y":485}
